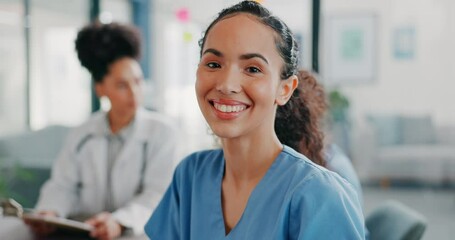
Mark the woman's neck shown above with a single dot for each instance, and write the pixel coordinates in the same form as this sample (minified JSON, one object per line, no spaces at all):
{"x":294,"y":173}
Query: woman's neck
{"x":118,"y":121}
{"x":249,"y":158}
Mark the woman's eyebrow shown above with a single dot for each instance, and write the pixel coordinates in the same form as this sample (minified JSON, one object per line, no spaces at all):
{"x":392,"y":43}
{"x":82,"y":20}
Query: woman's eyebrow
{"x":213,"y":51}
{"x":253,"y":55}
{"x":243,"y":56}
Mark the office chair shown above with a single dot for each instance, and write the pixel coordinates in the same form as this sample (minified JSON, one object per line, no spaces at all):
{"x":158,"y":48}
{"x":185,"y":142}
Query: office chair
{"x":395,"y":221}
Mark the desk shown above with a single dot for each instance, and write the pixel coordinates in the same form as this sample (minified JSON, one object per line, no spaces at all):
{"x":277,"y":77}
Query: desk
{"x":12,"y":228}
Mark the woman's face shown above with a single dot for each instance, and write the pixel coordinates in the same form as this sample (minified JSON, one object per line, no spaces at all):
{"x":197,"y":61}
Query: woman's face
{"x":122,"y":85}
{"x":238,"y":82}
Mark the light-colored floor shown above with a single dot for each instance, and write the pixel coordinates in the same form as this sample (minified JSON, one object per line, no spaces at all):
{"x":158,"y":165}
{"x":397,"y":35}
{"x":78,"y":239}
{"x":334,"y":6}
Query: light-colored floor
{"x":437,"y":205}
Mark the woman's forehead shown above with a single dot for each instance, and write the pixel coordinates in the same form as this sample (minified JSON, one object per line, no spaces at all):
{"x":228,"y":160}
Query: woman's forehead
{"x":241,"y":32}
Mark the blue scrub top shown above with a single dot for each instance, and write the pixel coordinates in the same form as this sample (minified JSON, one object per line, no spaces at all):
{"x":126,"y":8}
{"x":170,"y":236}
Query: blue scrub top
{"x":296,"y":199}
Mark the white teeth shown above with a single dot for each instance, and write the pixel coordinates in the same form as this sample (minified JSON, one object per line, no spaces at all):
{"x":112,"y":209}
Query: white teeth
{"x":229,"y":108}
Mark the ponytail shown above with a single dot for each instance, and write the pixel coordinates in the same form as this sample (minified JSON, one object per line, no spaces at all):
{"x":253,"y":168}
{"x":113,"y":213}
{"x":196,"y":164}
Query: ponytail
{"x":297,"y":123}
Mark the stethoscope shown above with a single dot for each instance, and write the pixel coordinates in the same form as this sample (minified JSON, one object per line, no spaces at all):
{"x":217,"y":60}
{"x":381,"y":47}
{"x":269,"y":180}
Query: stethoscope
{"x":140,"y":188}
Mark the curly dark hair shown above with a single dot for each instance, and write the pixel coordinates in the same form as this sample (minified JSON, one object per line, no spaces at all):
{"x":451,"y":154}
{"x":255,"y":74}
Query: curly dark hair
{"x":99,"y":45}
{"x":310,"y":99}
{"x":298,"y":122}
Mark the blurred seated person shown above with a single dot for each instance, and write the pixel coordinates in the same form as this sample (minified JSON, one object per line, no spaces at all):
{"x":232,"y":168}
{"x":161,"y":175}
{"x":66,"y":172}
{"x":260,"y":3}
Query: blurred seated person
{"x":115,"y":167}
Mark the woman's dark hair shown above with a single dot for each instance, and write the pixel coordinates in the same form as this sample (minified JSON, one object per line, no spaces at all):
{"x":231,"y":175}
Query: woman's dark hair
{"x":285,"y":42}
{"x":99,"y":45}
{"x":310,"y":100}
{"x":295,"y":124}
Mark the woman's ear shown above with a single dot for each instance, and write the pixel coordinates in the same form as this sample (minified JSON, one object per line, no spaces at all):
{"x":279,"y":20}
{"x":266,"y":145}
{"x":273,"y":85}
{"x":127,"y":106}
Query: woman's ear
{"x":285,"y":89}
{"x":99,"y":89}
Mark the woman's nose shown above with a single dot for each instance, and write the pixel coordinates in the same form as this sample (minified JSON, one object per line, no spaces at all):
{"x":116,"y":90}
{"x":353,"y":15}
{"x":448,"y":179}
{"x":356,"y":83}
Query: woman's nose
{"x":133,"y":89}
{"x":229,"y":82}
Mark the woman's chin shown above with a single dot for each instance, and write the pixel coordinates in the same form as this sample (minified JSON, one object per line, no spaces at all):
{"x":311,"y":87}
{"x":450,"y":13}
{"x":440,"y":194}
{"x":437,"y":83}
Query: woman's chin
{"x":225,"y":133}
{"x":125,"y":113}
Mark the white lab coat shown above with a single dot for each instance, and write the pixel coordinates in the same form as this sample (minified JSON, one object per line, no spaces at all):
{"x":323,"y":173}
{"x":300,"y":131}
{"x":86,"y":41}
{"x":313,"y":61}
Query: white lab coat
{"x":79,"y":176}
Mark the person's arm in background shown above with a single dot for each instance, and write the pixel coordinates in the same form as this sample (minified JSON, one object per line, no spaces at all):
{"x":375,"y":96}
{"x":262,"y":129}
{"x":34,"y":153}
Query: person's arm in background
{"x":60,"y":192}
{"x":58,"y":195}
{"x":162,"y":150}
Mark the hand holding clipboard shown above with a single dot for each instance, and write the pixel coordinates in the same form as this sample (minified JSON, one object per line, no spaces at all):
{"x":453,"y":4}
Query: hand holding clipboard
{"x":46,"y":222}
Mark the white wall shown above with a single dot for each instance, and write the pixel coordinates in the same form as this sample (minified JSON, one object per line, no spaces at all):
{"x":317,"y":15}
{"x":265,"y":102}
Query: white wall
{"x":423,"y":85}
{"x":60,"y":86}
{"x":12,"y":70}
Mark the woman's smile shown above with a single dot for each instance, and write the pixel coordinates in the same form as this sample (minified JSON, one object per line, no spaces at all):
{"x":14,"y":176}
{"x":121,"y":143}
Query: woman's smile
{"x":227,"y":109}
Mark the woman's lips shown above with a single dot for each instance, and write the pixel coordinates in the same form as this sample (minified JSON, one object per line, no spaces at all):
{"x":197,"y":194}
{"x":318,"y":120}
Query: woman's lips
{"x":228,"y":109}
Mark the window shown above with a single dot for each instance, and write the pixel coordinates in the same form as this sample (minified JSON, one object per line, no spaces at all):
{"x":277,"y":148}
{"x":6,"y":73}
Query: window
{"x":60,"y":87}
{"x":13,"y":93}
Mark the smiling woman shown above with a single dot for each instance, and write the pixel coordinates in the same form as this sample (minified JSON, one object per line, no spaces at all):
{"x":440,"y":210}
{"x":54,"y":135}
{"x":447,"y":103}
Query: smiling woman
{"x":254,"y":187}
{"x":242,"y":72}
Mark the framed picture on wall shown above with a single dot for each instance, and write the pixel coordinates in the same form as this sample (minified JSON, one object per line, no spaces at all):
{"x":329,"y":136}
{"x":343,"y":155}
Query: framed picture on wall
{"x":350,"y":49}
{"x":404,"y":43}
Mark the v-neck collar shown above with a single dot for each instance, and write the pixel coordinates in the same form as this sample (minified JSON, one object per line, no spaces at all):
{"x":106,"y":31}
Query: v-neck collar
{"x":251,"y":199}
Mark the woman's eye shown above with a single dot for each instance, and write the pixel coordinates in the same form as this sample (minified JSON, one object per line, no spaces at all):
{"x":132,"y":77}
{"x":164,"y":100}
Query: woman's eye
{"x":213,"y":65}
{"x":253,"y":70}
{"x":122,"y":85}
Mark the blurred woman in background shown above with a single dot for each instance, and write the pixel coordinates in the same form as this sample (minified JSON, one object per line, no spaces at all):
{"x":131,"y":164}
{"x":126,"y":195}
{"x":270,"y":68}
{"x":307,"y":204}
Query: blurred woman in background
{"x":114,"y":168}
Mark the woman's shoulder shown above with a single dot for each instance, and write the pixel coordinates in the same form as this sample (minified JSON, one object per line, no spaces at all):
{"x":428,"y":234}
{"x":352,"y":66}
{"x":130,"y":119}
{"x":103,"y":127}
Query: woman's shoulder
{"x":309,"y":176}
{"x":303,"y":168}
{"x":323,"y":196}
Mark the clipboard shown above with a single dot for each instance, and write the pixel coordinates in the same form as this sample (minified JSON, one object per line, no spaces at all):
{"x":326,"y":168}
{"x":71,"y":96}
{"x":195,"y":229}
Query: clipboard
{"x":12,"y":208}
